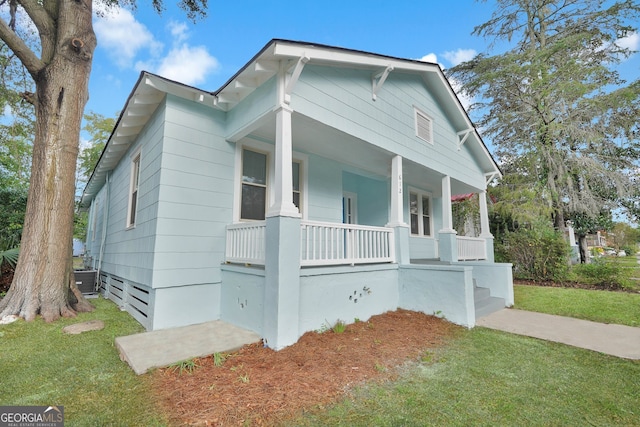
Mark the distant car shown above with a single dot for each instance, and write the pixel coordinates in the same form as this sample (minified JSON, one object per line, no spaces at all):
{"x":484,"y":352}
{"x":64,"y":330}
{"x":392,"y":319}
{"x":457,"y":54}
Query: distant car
{"x":610,"y":252}
{"x":622,"y":253}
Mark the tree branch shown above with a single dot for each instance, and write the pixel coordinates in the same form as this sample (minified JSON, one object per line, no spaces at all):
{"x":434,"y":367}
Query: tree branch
{"x":29,"y":59}
{"x":44,"y":18}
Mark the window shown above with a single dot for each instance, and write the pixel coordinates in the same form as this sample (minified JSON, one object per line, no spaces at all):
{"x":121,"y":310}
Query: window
{"x":133,"y":193}
{"x":256,"y":173}
{"x":424,"y":126}
{"x":420,"y":212}
{"x":94,"y":221}
{"x":254,"y":185}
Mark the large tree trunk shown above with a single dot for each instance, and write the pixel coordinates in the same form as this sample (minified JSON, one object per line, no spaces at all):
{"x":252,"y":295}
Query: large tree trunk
{"x":42,"y":277}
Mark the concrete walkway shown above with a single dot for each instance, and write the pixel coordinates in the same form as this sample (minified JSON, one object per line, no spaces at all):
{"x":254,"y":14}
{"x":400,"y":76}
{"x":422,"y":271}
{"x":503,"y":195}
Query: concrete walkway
{"x":165,"y":347}
{"x":616,"y":340}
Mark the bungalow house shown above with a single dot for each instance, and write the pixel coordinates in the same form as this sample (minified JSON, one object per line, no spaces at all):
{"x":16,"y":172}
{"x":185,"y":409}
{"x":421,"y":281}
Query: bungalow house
{"x":314,"y":186}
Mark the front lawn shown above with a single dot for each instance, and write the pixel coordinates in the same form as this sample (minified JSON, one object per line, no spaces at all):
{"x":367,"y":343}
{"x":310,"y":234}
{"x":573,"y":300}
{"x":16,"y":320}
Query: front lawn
{"x":599,"y":306}
{"x":491,"y":378}
{"x":40,"y":365}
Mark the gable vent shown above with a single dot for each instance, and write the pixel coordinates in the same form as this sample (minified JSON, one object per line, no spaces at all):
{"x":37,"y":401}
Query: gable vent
{"x":424,"y":127}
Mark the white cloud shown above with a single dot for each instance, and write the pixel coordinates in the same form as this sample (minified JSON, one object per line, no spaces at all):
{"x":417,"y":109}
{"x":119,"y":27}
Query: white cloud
{"x":178,"y":31}
{"x":187,"y":64}
{"x":459,"y":56}
{"x":430,"y":57}
{"x":631,"y":42}
{"x":124,"y":37}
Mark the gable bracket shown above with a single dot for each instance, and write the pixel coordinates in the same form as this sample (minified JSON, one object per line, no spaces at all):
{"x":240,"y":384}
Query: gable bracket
{"x":463,"y":135}
{"x":377,"y":80}
{"x":295,"y":75}
{"x":490,"y":176}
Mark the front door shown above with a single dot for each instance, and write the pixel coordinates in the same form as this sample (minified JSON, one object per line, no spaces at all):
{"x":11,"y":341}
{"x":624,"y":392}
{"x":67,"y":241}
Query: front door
{"x":349,"y":208}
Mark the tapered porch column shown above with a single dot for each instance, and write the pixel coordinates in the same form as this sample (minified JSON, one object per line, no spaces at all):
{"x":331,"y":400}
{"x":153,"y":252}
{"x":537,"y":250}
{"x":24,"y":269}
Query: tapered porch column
{"x":396,"y":220}
{"x":283,"y":182}
{"x":282,"y":257}
{"x":485,"y":232}
{"x":447,"y":244}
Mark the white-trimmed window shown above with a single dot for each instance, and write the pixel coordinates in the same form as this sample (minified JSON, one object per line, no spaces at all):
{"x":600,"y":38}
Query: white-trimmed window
{"x":133,"y":190}
{"x":420,"y":213}
{"x":94,"y":219}
{"x":254,"y":193}
{"x":424,"y":126}
{"x":254,"y":185}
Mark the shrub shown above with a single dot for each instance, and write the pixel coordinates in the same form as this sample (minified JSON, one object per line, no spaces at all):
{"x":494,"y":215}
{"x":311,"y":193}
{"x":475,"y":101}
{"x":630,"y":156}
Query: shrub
{"x":538,"y":252}
{"x":603,"y":273}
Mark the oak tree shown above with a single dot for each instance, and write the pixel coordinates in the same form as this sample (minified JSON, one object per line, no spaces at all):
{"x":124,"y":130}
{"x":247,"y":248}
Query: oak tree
{"x":60,"y":65}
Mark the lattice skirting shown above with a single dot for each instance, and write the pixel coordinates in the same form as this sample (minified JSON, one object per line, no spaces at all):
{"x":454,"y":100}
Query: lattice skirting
{"x":133,"y":297}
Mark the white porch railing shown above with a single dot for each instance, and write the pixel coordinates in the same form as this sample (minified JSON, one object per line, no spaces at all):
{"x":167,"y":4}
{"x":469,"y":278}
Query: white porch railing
{"x":471,"y":248}
{"x":325,"y":243}
{"x":322,"y":243}
{"x":246,"y":242}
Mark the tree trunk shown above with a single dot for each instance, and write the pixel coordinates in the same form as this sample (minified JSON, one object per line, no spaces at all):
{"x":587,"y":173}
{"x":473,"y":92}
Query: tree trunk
{"x":41,"y":280}
{"x":583,"y":249}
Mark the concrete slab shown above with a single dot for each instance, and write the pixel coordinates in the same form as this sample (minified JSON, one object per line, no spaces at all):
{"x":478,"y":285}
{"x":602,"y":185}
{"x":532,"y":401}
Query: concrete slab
{"x":616,"y":340}
{"x":165,"y":347}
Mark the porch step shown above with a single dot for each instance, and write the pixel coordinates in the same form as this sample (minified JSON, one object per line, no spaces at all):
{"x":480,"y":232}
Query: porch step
{"x":484,"y":303}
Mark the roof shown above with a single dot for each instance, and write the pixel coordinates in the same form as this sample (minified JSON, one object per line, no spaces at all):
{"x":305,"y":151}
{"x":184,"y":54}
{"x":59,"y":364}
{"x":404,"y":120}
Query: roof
{"x":150,"y":90}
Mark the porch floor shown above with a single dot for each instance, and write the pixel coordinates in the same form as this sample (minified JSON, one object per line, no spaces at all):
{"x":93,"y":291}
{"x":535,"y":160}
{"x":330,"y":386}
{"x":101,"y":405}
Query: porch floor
{"x":165,"y":347}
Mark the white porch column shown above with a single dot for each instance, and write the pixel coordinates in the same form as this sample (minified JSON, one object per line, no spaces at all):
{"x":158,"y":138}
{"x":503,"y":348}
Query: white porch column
{"x":447,"y":243}
{"x":485,"y":232}
{"x":283,"y":181}
{"x":484,"y":215}
{"x":397,"y":205}
{"x":396,"y":216}
{"x":447,"y":216}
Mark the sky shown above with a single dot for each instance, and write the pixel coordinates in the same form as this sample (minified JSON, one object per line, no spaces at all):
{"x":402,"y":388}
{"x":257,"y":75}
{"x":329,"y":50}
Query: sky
{"x":207,"y":53}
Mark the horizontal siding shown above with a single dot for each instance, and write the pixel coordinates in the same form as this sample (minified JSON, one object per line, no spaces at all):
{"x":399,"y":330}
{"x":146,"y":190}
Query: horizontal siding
{"x":342,"y":98}
{"x":196,"y":196}
{"x":129,"y":253}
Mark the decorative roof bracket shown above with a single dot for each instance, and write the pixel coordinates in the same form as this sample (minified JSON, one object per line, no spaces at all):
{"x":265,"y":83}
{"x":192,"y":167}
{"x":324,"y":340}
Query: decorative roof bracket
{"x":377,"y":80}
{"x":463,"y":135}
{"x":490,"y":176}
{"x":295,"y":75}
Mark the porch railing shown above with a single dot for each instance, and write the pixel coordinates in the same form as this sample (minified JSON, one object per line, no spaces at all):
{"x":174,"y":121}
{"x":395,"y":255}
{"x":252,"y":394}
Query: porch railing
{"x":246,"y":242}
{"x":325,"y":243}
{"x":322,"y":243}
{"x":471,"y":248}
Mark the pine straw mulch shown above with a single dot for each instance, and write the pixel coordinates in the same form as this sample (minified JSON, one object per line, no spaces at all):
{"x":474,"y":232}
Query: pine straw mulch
{"x":259,"y":386}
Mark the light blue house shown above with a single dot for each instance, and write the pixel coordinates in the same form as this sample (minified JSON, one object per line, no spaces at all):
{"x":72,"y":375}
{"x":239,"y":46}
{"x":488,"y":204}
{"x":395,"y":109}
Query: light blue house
{"x":315,"y":185}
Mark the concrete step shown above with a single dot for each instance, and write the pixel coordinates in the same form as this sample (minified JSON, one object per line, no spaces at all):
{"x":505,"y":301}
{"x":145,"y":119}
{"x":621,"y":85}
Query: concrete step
{"x":484,"y":303}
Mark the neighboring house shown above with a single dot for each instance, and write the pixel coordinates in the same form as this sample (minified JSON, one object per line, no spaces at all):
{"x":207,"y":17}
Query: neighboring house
{"x":315,"y":185}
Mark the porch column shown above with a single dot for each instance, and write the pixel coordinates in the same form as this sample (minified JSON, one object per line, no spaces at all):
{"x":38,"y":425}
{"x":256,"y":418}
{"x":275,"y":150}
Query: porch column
{"x":282,"y":282}
{"x":485,"y":231}
{"x":283,"y":182}
{"x":396,"y":220}
{"x":447,"y":243}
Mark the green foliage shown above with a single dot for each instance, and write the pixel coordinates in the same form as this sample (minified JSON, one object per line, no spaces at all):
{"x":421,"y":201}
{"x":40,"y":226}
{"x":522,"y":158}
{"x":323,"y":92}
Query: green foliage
{"x":607,"y":273}
{"x":80,"y":225}
{"x":9,"y":256}
{"x":185,"y":366}
{"x":100,"y":128}
{"x":339,"y":327}
{"x":563,"y":122}
{"x":538,"y":252}
{"x":13,"y":205}
{"x":465,"y":215}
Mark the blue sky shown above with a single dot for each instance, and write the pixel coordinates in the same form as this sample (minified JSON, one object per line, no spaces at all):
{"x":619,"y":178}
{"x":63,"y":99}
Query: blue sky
{"x":207,"y":53}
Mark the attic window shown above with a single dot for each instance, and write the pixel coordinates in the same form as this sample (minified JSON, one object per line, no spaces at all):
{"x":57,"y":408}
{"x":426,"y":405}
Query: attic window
{"x":424,"y":126}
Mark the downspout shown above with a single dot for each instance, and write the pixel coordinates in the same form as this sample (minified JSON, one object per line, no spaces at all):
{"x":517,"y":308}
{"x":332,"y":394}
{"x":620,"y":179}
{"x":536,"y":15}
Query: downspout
{"x":105,"y":217}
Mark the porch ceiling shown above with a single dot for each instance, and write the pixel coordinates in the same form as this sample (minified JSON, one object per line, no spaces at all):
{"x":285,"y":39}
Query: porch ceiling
{"x":361,"y":157}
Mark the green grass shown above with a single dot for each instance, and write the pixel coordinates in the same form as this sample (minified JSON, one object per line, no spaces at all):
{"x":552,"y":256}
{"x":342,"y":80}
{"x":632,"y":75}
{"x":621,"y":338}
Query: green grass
{"x":599,"y":306}
{"x":39,"y":365}
{"x":490,"y":378}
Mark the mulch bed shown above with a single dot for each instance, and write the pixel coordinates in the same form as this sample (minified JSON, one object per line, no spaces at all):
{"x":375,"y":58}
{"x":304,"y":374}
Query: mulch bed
{"x":259,"y":386}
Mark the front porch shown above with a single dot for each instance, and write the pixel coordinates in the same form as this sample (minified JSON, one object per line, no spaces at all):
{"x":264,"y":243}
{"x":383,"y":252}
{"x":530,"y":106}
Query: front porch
{"x":330,"y":244}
